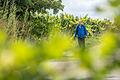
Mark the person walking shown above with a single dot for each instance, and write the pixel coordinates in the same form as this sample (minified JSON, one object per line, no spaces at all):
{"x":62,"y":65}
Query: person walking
{"x":81,"y":33}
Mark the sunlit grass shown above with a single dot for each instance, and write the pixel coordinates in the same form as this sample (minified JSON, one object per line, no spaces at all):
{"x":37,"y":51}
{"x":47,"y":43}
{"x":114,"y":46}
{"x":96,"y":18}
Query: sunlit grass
{"x":21,"y":55}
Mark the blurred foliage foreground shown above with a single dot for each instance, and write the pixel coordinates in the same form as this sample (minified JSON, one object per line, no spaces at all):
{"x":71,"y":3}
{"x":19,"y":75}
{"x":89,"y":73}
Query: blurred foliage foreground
{"x":21,"y":60}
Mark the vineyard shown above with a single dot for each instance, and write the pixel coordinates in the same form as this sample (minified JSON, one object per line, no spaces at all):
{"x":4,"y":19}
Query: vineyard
{"x":67,"y":23}
{"x":37,"y":45}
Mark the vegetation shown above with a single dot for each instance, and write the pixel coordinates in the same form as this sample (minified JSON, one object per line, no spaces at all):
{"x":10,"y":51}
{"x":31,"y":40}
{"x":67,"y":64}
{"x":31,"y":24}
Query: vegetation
{"x":23,"y":6}
{"x":33,"y":42}
{"x":66,"y":23}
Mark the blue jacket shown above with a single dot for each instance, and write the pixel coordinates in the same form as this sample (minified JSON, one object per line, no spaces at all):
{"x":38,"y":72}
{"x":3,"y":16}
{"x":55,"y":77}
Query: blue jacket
{"x":81,"y":31}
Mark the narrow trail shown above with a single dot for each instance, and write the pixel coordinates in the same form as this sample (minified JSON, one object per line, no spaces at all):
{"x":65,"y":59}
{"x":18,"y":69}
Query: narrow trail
{"x":72,"y":69}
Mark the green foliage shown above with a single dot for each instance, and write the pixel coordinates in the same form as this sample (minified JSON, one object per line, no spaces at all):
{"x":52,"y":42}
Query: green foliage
{"x":116,"y":22}
{"x":23,"y":6}
{"x":23,"y":60}
{"x":114,"y":3}
{"x":42,"y":24}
